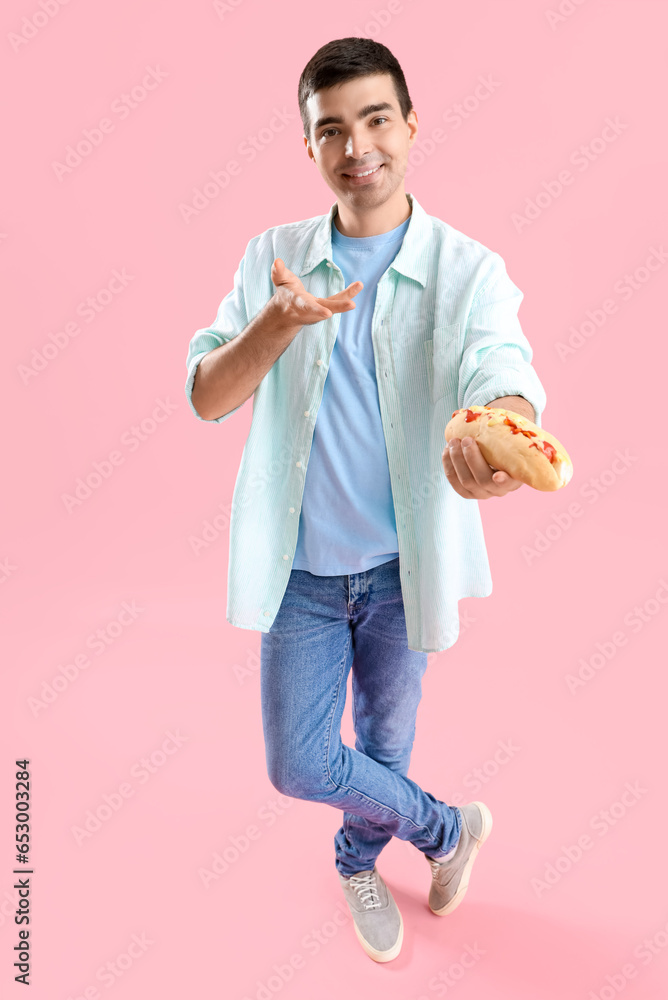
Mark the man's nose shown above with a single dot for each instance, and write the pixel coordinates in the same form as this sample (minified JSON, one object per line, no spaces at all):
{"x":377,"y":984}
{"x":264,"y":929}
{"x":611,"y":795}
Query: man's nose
{"x":357,"y":146}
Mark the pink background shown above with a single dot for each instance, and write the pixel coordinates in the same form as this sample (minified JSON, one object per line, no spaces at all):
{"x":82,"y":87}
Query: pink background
{"x":176,"y":666}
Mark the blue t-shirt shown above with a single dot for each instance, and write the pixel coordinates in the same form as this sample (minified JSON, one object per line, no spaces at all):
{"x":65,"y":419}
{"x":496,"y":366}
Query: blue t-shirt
{"x":347,"y":522}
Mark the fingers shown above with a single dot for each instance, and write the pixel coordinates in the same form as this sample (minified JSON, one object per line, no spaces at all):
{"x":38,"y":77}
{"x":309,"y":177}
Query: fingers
{"x":280,"y":275}
{"x":471,"y":476}
{"x":320,"y":306}
{"x":348,"y":292}
{"x":337,"y":303}
{"x":453,"y":478}
{"x":471,"y":468}
{"x":341,"y":301}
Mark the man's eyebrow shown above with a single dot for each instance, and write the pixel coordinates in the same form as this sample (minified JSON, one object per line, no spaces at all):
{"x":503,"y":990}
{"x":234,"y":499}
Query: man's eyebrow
{"x":369,"y":109}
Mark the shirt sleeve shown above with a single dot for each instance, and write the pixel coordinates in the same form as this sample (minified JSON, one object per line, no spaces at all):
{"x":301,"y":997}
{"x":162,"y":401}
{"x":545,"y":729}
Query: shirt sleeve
{"x":496,"y":355}
{"x":231,"y":319}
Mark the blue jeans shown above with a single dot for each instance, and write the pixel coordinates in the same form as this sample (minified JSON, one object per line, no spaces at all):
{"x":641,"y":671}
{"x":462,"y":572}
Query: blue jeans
{"x":325,"y":625}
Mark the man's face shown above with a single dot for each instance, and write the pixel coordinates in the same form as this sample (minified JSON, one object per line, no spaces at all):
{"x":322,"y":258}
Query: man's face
{"x":360,"y":139}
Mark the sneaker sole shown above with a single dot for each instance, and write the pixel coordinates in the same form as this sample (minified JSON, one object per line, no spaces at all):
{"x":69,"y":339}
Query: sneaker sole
{"x":466,"y":874}
{"x":382,"y":956}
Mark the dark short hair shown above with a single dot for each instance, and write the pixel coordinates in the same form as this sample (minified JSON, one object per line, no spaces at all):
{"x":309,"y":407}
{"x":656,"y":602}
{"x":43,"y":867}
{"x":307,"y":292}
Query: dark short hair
{"x":346,"y":59}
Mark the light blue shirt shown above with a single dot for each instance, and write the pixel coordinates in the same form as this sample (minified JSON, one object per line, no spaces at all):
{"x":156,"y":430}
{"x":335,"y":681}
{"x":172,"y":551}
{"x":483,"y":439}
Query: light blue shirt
{"x":347,"y":521}
{"x":445,"y":334}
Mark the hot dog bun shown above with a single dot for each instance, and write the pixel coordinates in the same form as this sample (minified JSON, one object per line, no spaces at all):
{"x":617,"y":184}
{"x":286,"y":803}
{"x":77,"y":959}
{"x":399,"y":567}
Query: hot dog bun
{"x":510,"y":442}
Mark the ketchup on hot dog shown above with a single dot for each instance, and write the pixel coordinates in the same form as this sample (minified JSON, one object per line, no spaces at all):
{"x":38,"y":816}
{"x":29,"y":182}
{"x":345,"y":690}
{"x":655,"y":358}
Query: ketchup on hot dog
{"x":547,"y":449}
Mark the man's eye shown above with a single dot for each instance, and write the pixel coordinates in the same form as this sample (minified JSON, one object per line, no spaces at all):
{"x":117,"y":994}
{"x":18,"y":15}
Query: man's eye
{"x":380,"y":119}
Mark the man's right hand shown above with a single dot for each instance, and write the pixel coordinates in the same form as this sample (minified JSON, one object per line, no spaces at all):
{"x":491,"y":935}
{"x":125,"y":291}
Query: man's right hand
{"x":298,"y":307}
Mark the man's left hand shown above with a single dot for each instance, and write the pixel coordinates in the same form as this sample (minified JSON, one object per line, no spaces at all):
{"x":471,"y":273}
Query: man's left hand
{"x":471,"y":476}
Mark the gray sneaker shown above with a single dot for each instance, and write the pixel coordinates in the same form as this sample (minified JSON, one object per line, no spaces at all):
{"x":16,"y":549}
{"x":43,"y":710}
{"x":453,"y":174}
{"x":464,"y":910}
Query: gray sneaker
{"x":450,"y":879}
{"x":376,"y":917}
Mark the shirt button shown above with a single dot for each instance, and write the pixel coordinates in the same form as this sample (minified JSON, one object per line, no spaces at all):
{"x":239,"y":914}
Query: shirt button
{"x":286,"y":557}
{"x":267,"y":613}
{"x":292,"y":510}
{"x":306,"y":413}
{"x":318,"y":362}
{"x":299,"y":465}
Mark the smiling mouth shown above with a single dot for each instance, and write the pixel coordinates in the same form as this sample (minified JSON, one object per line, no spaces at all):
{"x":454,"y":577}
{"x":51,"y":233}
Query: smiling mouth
{"x":366,"y":173}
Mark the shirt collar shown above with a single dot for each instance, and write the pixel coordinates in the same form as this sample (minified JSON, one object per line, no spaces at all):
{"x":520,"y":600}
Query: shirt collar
{"x":411,"y":259}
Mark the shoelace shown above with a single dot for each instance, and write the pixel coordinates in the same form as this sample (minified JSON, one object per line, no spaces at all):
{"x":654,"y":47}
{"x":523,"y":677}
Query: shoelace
{"x":365,"y":886}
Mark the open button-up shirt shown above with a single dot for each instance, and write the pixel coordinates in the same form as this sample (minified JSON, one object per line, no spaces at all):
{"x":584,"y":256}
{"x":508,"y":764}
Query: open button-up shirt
{"x":445,"y":335}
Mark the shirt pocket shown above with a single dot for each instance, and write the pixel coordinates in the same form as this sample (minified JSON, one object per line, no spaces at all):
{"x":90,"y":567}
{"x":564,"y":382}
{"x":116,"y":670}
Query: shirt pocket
{"x":443,"y":353}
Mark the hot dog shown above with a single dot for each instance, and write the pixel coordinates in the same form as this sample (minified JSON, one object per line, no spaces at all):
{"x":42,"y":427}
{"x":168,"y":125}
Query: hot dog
{"x":510,"y":442}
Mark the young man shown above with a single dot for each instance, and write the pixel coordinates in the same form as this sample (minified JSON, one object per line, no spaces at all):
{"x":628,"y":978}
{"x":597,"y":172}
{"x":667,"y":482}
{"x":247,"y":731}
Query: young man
{"x":354,"y":531}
